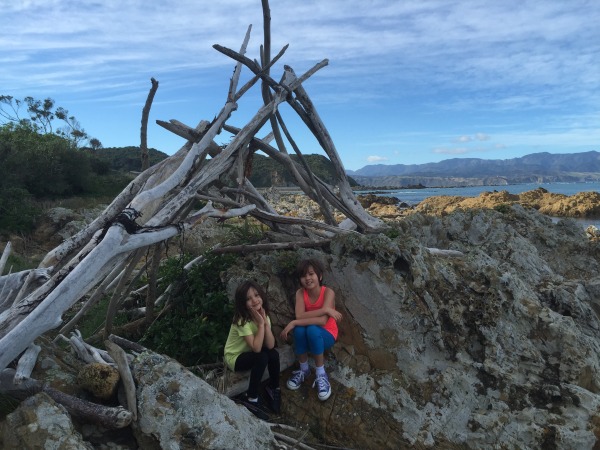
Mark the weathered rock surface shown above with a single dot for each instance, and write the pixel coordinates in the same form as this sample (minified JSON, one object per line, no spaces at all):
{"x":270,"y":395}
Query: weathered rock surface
{"x":497,"y":349}
{"x":177,"y":410}
{"x":40,"y":423}
{"x":581,"y":205}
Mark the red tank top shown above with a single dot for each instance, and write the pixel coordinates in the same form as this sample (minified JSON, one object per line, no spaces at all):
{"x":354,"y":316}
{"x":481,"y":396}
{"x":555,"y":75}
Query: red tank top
{"x":331,"y":324}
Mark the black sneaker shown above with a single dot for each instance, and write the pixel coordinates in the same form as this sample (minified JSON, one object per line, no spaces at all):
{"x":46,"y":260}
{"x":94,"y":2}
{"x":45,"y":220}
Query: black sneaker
{"x":254,"y":407}
{"x":273,"y":397}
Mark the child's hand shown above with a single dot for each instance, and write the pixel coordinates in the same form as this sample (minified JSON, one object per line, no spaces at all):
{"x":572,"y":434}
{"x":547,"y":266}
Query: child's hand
{"x":263,"y":313}
{"x":335,"y":314}
{"x":289,"y":327}
{"x":258,"y":318}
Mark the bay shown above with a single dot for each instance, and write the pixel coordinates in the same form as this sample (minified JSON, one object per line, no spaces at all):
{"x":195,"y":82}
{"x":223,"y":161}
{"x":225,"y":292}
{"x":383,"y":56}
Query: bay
{"x":415,"y":196}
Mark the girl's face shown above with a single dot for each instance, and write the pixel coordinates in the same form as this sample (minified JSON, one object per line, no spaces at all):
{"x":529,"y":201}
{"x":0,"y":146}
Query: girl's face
{"x":310,"y":279}
{"x":253,"y":299}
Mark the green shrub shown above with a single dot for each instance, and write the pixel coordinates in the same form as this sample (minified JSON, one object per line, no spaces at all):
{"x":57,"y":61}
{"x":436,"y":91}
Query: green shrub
{"x":195,"y":329}
{"x":392,"y":232}
{"x":17,"y":210}
{"x":16,"y":263}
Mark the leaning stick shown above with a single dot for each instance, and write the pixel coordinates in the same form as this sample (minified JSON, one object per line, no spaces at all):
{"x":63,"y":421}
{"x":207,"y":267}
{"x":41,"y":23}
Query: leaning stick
{"x":120,"y":357}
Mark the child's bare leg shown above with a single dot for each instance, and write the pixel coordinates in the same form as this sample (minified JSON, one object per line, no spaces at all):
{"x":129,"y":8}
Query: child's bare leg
{"x":319,"y":360}
{"x":303,"y":357}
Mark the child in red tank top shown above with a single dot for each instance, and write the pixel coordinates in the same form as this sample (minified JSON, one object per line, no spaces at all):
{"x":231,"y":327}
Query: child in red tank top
{"x":315,"y":327}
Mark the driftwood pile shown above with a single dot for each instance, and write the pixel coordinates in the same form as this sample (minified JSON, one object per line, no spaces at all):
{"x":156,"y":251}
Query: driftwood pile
{"x":157,"y":205}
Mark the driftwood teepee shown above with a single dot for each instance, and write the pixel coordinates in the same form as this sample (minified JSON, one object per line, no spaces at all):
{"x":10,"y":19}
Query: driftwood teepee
{"x":157,"y":205}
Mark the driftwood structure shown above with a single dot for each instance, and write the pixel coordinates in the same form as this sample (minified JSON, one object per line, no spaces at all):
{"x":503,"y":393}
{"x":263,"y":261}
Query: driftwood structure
{"x":157,"y":205}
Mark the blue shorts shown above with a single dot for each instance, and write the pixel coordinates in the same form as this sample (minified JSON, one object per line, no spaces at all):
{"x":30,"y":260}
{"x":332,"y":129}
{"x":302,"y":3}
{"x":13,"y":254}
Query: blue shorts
{"x":312,"y":338}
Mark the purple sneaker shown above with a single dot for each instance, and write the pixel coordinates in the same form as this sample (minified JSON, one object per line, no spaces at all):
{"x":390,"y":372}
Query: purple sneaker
{"x":323,"y":387}
{"x":295,"y":381}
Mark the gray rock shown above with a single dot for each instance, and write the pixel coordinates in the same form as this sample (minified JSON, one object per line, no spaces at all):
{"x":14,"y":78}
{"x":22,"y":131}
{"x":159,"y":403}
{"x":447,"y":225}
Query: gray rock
{"x":39,"y":422}
{"x":178,"y":410}
{"x":497,"y":349}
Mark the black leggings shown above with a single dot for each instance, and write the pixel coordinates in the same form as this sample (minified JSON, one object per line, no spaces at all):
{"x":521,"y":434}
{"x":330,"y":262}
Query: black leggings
{"x":257,"y":363}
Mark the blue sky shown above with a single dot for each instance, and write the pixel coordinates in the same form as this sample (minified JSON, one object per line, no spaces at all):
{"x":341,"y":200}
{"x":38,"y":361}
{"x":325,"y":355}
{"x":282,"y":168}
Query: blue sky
{"x":408,"y":82}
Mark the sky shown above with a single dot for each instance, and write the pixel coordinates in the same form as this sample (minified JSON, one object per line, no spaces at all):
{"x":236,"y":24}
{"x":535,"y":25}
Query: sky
{"x":408,"y":82}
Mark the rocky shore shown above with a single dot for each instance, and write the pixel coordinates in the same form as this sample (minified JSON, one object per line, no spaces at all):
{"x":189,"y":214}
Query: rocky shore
{"x":464,"y":327}
{"x":581,"y":205}
{"x":584,"y":205}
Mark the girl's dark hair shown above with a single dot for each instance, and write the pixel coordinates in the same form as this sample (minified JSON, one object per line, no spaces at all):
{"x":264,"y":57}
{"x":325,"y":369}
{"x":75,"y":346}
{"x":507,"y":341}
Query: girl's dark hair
{"x":241,"y":314}
{"x":304,"y":265}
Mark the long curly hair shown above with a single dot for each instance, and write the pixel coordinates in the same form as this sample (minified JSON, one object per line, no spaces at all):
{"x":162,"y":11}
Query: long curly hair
{"x":241,"y":314}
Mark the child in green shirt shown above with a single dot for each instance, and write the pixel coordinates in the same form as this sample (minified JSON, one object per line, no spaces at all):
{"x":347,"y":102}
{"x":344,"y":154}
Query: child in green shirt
{"x":251,"y":346}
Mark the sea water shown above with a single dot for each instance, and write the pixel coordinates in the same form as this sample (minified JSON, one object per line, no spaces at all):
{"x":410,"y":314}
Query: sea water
{"x":414,"y":196}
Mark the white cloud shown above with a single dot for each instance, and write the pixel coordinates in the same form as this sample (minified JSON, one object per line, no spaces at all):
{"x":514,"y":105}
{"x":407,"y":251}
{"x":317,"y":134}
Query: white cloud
{"x":375,"y":159}
{"x":460,"y":59}
{"x":476,"y":137}
{"x":456,"y":44}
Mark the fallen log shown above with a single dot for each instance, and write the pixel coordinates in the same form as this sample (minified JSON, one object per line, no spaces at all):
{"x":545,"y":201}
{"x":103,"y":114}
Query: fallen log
{"x":106,"y":416}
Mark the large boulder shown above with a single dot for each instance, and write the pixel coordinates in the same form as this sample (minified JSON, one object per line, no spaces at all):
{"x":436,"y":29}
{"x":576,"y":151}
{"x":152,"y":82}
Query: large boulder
{"x":177,"y":410}
{"x":39,"y":422}
{"x":499,"y":347}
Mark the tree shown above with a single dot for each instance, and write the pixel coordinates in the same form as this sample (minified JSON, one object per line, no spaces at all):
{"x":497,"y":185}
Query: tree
{"x":95,"y":144}
{"x":41,"y":117}
{"x":46,"y":165}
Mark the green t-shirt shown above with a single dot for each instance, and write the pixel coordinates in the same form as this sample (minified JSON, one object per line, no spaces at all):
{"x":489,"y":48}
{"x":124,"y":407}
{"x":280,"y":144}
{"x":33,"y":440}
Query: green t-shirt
{"x":236,"y":344}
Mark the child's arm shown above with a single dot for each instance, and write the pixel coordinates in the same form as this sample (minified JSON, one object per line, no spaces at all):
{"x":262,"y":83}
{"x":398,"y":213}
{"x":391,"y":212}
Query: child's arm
{"x":269,"y":340}
{"x":255,"y":341}
{"x":327,"y":310}
{"x":303,"y":322}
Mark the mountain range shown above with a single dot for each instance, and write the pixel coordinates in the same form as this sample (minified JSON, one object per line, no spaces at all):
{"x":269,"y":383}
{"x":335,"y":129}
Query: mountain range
{"x":533,"y":168}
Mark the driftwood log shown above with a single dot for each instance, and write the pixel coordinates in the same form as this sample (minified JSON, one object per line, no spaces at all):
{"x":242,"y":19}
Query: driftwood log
{"x":119,"y":355}
{"x":109,"y":417}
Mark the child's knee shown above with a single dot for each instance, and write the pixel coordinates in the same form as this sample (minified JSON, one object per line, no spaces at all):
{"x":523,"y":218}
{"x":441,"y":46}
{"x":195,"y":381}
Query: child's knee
{"x":300,"y":332}
{"x":262,"y":358}
{"x":313,"y":331}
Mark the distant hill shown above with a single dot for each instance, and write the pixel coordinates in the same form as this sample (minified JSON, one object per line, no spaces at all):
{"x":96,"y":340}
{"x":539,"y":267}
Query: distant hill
{"x":536,"y":168}
{"x":127,"y":159}
{"x":265,"y":171}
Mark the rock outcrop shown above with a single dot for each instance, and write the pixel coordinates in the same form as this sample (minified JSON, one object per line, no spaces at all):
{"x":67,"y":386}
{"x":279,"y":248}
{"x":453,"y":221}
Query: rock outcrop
{"x":498,"y":348}
{"x":178,"y":410}
{"x":581,"y":205}
{"x":39,"y":422}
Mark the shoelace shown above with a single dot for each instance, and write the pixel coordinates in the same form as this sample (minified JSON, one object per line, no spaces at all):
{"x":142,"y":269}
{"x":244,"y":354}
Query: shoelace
{"x":322,"y":383}
{"x":298,"y":376}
